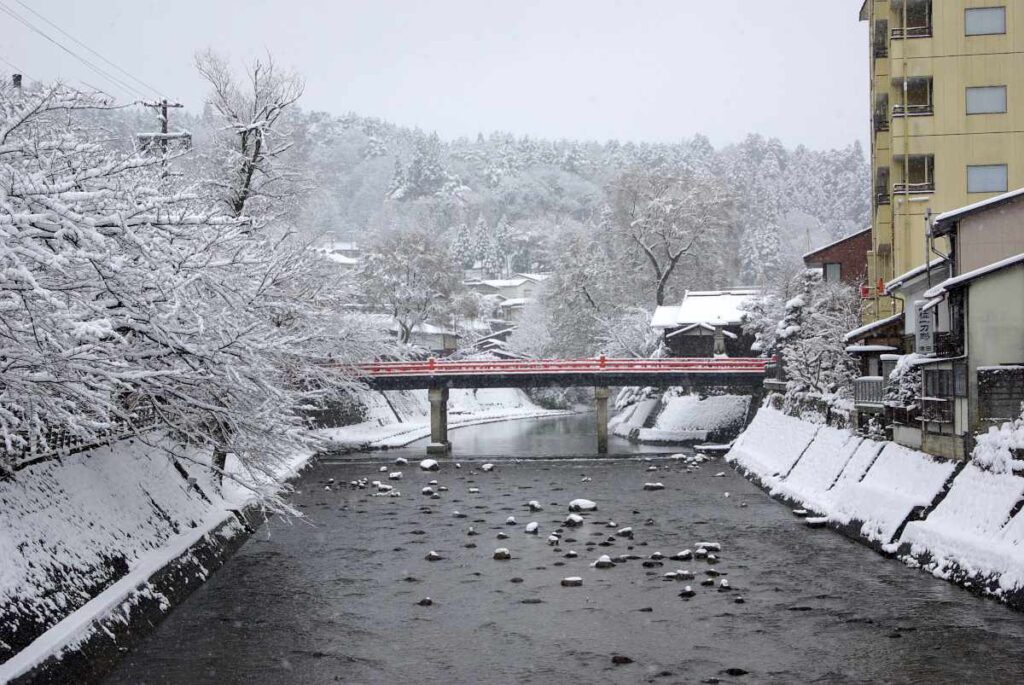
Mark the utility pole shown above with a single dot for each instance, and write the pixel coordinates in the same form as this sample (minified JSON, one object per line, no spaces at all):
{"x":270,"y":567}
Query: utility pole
{"x":162,"y":105}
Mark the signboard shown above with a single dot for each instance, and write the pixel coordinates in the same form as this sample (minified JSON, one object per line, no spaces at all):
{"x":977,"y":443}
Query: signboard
{"x":924,"y":335}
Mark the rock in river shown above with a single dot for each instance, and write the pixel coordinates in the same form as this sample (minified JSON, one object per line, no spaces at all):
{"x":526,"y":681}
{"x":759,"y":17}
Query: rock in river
{"x":433,"y":556}
{"x":604,"y":561}
{"x":532,"y":527}
{"x":487,"y":467}
{"x":572,"y":581}
{"x":578,"y":505}
{"x":429,"y":465}
{"x":573,"y":520}
{"x":654,"y":486}
{"x":502,"y":554}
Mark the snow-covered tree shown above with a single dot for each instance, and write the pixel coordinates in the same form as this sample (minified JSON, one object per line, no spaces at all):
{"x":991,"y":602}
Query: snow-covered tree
{"x":411,"y":276}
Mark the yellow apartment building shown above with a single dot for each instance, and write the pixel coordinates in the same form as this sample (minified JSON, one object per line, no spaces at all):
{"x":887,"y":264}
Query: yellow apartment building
{"x":947,"y":118}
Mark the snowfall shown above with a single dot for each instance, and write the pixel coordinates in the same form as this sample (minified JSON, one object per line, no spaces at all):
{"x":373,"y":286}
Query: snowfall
{"x":958,"y":520}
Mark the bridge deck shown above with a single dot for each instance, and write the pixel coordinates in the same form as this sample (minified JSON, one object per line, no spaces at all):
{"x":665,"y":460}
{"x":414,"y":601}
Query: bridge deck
{"x":694,"y":372}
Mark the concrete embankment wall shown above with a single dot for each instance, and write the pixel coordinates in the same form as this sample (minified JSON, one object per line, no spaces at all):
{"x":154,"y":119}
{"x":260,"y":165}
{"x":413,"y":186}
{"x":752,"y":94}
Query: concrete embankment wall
{"x":673,"y":418}
{"x":952,"y":519}
{"x":95,"y":548}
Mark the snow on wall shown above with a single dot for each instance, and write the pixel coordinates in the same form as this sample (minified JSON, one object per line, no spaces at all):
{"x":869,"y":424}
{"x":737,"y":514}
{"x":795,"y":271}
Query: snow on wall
{"x":970,"y":529}
{"x":772,"y":444}
{"x":680,"y":418}
{"x":969,"y":536}
{"x":70,"y":528}
{"x":899,"y":480}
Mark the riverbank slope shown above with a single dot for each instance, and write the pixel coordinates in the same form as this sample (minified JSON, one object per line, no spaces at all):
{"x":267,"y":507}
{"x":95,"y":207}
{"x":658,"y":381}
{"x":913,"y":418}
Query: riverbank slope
{"x":954,"y":520}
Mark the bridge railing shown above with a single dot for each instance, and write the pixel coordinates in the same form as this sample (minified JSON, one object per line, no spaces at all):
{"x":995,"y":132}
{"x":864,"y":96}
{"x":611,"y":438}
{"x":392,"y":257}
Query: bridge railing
{"x":588,"y":365}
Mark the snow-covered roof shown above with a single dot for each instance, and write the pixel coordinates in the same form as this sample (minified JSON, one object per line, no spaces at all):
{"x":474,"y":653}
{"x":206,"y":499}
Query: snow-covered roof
{"x":515,"y":302}
{"x":837,"y":242}
{"x":340,"y":259}
{"x":853,"y":349}
{"x":946,"y":219}
{"x":427,"y":329}
{"x":702,"y":326}
{"x":535,"y":277}
{"x":914,"y":273}
{"x":504,"y":282}
{"x":857,"y":333}
{"x":711,"y":307}
{"x":963,"y":279}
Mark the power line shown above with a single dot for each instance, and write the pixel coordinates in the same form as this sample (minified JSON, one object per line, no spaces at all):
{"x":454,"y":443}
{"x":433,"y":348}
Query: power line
{"x":128,"y":88}
{"x":81,"y":44}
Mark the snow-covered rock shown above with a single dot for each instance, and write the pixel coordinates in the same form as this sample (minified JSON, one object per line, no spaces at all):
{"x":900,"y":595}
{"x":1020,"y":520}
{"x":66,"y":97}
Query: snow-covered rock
{"x":395,"y":475}
{"x":578,"y":505}
{"x":430,"y":465}
{"x":502,"y":554}
{"x":401,"y":461}
{"x":532,"y":527}
{"x":604,"y":561}
{"x":572,"y":581}
{"x":573,"y":520}
{"x":487,"y":467}
{"x":433,"y":556}
{"x":654,"y":486}
{"x":510,"y":521}
{"x":534,"y":505}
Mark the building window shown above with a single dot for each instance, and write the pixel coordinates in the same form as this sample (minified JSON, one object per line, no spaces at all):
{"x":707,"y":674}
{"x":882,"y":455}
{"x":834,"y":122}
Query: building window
{"x":986,"y":178}
{"x":831,"y":272}
{"x":986,"y":100}
{"x":985,"y":21}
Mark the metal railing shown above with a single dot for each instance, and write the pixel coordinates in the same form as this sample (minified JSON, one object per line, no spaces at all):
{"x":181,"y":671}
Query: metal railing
{"x":56,"y":442}
{"x":883,"y":198}
{"x":903,"y":188}
{"x":937,"y":409}
{"x":676,"y":365}
{"x":913,"y":110}
{"x":869,"y":390}
{"x":912,"y":32}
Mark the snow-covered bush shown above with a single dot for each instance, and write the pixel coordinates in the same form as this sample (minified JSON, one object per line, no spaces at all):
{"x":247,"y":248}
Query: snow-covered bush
{"x":904,"y":386}
{"x":1001,"y":449}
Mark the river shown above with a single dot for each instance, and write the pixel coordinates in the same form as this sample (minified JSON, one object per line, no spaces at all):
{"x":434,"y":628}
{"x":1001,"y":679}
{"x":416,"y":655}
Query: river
{"x":336,"y":598}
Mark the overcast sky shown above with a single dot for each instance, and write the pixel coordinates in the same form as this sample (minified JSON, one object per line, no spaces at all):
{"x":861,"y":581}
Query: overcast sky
{"x":657,"y":70}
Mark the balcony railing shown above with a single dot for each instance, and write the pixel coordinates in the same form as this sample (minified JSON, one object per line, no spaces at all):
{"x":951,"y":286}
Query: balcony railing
{"x":881,"y":124}
{"x":937,"y":409}
{"x":869,"y":390}
{"x":913,"y":110}
{"x":881,"y":51}
{"x":883,"y":198}
{"x":912,"y":32}
{"x":912,"y":188}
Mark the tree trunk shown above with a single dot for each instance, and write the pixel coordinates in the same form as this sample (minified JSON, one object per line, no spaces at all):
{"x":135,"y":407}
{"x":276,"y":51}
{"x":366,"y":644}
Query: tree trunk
{"x":220,"y":460}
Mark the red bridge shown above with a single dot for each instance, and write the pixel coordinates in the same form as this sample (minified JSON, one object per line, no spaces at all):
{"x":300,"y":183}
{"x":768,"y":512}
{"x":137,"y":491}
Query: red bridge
{"x":725,"y":374}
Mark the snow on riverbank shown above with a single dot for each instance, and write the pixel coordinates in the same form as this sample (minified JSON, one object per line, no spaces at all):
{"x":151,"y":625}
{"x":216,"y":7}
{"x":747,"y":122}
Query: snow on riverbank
{"x":81,"y":537}
{"x":399,"y":417}
{"x":673,"y":418}
{"x":957,"y":520}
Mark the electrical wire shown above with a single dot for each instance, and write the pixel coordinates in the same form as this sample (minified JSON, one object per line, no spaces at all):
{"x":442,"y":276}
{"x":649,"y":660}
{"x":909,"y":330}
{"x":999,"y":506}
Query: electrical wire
{"x":83,"y":45}
{"x":126,"y":87}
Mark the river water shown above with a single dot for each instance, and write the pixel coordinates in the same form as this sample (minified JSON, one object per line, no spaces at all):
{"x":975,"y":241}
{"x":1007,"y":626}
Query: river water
{"x":335,"y":599}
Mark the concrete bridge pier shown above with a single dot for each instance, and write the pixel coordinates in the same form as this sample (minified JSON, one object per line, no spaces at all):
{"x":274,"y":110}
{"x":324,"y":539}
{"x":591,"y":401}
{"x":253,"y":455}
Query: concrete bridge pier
{"x":439,"y":443}
{"x":601,"y":399}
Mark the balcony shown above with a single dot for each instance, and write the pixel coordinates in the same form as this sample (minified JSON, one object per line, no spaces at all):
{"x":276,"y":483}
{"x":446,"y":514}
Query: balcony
{"x":900,"y":32}
{"x":881,"y":123}
{"x":868,"y":391}
{"x":883,"y":198}
{"x":913,"y":188}
{"x":923,"y":110}
{"x":937,"y":409}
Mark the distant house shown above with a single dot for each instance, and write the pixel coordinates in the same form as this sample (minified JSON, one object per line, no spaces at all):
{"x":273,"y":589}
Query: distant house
{"x":844,"y":261}
{"x":439,"y":340}
{"x":706,"y":324}
{"x":511,"y":294}
{"x":346,"y":254}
